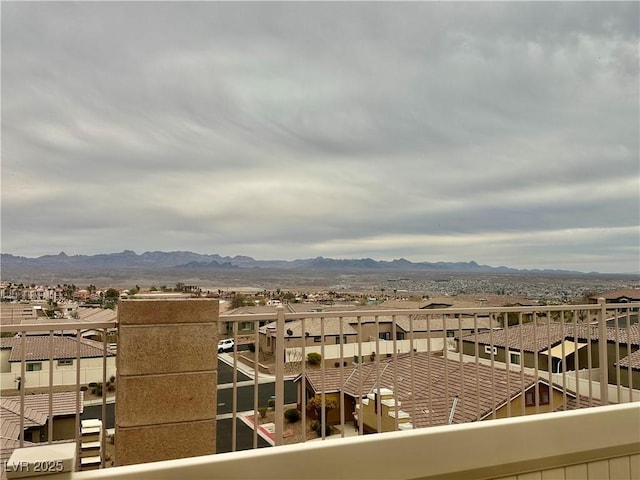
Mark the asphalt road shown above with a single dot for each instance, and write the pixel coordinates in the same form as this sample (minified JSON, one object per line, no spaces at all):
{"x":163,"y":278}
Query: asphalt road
{"x":245,"y":396}
{"x":244,"y":436}
{"x":225,"y":374}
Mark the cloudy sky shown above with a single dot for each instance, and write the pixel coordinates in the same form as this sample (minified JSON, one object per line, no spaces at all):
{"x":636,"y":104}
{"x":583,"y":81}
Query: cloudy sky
{"x":505,"y":133}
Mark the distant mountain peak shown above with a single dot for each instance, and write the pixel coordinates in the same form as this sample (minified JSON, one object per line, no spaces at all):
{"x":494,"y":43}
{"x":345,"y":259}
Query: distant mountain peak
{"x":157,"y":260}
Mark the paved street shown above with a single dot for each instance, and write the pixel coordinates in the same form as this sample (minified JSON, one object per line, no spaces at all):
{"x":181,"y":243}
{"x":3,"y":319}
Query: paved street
{"x":245,"y":396}
{"x":225,"y":374}
{"x":244,"y":434}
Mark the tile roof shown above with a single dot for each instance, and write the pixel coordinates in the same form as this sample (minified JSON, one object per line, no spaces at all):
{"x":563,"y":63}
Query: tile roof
{"x":334,"y":378}
{"x":440,"y":379}
{"x":15,"y":314}
{"x":629,"y":334}
{"x":419,"y":323}
{"x":37,"y":348}
{"x":62,"y":403}
{"x":36,"y":413}
{"x":630,"y":293}
{"x":10,"y":413}
{"x":97,"y":315}
{"x":539,"y":337}
{"x":437,"y":381}
{"x":632,"y":361}
{"x":529,"y":337}
{"x":313,"y":326}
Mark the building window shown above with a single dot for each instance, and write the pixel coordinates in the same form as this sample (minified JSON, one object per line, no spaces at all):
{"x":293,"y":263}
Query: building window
{"x":543,"y":395}
{"x":34,"y":367}
{"x":451,"y":333}
{"x":65,"y":361}
{"x":399,"y":335}
{"x":245,"y":326}
{"x":268,"y":341}
{"x":488,"y":349}
{"x":317,"y":339}
{"x":515,"y":358}
{"x":384,"y":336}
{"x":344,"y":339}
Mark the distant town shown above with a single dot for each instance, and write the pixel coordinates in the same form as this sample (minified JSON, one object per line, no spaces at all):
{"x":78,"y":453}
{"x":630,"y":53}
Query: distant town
{"x":454,"y":290}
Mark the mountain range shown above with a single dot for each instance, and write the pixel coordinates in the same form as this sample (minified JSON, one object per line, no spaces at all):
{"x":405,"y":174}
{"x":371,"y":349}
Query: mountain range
{"x":184,"y":260}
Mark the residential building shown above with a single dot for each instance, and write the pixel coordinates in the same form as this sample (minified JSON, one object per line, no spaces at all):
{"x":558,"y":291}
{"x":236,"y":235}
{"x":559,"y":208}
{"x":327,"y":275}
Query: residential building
{"x":40,"y":419}
{"x":59,"y":353}
{"x":598,"y":442}
{"x":624,"y":295}
{"x":442,"y":389}
{"x":554,"y":346}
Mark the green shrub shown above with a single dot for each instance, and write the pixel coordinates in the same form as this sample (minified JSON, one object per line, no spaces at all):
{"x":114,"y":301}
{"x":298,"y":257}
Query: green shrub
{"x":314,"y":358}
{"x":262,"y":411}
{"x":292,"y":415}
{"x":315,"y":426}
{"x":97,"y":390}
{"x":271,"y":403}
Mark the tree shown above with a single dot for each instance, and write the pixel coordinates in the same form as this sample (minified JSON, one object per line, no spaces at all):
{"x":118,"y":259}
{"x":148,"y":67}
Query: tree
{"x":289,"y":296}
{"x":315,"y":404}
{"x":314,"y":358}
{"x":240,"y":300}
{"x":111,"y":294}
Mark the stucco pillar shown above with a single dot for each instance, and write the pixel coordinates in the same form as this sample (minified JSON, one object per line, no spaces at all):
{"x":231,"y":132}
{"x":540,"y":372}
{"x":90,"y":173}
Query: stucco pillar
{"x":166,"y":379}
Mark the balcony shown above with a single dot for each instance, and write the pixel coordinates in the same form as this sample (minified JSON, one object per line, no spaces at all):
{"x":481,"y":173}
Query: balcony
{"x":443,"y":393}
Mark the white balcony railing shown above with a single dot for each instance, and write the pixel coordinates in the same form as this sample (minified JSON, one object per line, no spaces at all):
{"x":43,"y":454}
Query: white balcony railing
{"x":392,"y":371}
{"x":412,"y":361}
{"x":51,"y":358}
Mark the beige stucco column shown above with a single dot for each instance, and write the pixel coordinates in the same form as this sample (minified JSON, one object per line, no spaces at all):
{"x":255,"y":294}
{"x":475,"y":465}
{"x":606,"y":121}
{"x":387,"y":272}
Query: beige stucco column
{"x":166,"y":379}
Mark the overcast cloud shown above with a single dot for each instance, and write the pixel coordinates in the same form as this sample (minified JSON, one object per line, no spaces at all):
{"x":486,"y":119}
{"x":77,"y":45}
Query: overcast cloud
{"x":505,"y":133}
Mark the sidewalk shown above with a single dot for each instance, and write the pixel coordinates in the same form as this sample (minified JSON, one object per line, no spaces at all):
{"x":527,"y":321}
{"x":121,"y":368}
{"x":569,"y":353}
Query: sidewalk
{"x":266,"y":431}
{"x":247,"y":370}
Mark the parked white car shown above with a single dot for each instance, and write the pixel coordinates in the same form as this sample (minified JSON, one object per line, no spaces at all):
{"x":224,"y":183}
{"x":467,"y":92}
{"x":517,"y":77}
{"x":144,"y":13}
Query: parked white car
{"x":225,"y":345}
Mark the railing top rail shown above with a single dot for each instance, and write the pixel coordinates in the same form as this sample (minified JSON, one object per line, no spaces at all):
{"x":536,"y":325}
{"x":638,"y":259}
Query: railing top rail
{"x":366,"y":313}
{"x":66,"y":326}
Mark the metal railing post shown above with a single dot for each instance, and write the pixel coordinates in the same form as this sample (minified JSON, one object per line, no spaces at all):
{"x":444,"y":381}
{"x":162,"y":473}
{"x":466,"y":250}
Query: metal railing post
{"x":602,"y":352}
{"x":279,"y":387}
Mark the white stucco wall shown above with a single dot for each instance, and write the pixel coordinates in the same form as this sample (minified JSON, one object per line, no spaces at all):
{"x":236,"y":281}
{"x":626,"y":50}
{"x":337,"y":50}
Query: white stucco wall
{"x":90,"y":371}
